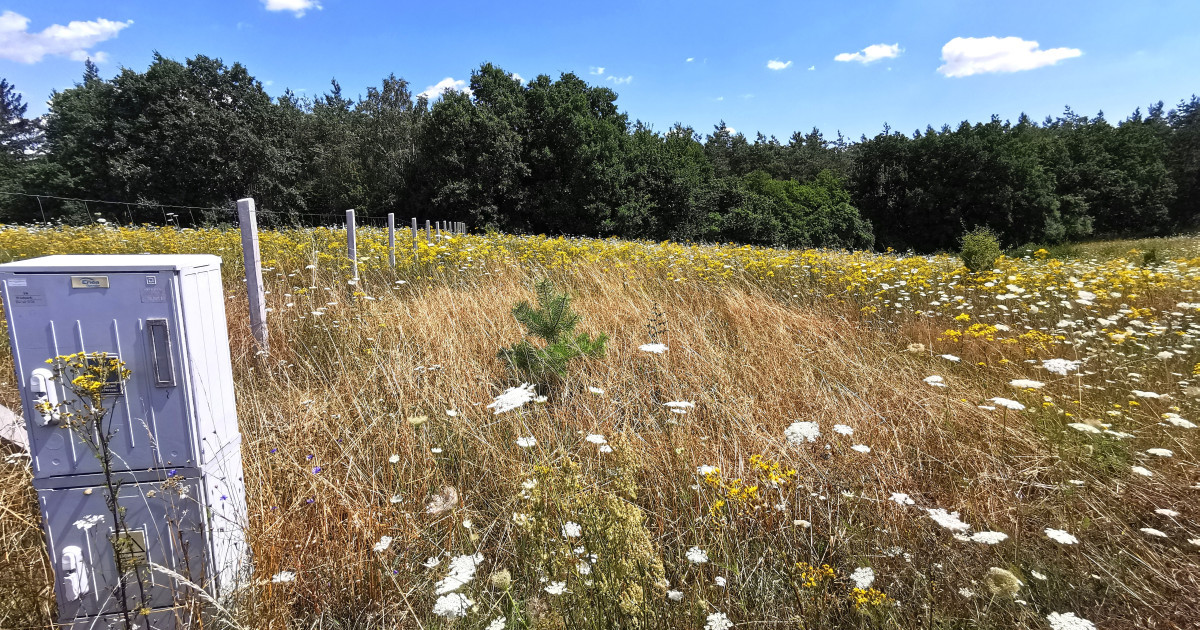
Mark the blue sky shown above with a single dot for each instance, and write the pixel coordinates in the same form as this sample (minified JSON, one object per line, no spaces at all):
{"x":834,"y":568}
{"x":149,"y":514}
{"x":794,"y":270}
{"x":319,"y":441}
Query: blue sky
{"x":906,"y":63}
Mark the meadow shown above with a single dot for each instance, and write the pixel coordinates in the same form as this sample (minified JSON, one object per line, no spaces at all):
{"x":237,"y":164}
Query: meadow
{"x":773,"y":438}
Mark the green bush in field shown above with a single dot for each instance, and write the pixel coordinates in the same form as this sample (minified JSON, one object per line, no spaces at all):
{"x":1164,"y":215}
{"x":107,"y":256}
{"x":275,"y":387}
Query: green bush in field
{"x":553,"y":322}
{"x":980,"y":249}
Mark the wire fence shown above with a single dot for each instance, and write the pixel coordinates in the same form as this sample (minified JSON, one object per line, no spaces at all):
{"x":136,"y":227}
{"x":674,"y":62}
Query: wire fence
{"x":56,"y":209}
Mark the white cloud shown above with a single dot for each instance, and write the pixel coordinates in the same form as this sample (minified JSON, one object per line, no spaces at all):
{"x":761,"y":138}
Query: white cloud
{"x":449,"y":83}
{"x":597,"y":70}
{"x":690,"y":59}
{"x":720,"y":98}
{"x":776,"y":64}
{"x":812,"y":67}
{"x":874,"y":52}
{"x":520,"y":79}
{"x":621,"y":80}
{"x":965,"y":56}
{"x":731,"y":130}
{"x":299,"y":7}
{"x":71,"y":41}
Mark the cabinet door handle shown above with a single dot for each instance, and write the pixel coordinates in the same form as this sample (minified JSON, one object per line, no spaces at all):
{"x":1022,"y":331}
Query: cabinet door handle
{"x":160,"y":352}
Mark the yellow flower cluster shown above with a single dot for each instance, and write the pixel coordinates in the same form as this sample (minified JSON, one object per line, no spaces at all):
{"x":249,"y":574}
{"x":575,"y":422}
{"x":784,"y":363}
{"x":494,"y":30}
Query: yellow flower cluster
{"x":868,"y":597}
{"x":811,"y":576}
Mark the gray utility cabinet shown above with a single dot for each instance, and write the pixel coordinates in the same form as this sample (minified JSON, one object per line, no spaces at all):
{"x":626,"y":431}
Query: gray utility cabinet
{"x":176,"y":447}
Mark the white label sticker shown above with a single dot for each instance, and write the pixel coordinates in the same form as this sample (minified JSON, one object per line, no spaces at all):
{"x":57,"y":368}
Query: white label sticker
{"x":17,"y":282}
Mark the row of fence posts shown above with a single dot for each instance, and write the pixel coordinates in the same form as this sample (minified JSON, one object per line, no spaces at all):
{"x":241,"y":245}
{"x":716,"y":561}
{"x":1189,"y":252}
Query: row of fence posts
{"x":255,"y":294}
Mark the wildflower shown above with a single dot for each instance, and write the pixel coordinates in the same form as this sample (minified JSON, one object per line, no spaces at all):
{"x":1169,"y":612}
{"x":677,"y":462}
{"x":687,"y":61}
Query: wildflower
{"x":1024,"y":383}
{"x":949,"y":520}
{"x":1150,"y":531}
{"x":935,"y":381}
{"x":1061,"y":536}
{"x":675,"y":595}
{"x":1008,"y":404}
{"x":720,"y":581}
{"x":431,"y":561}
{"x":1068,"y":621}
{"x":512,"y":398}
{"x":1060,"y":366}
{"x":596,"y":438}
{"x":801,"y":432}
{"x":950,"y":357}
{"x":1169,"y":513}
{"x":452,"y":606}
{"x":679,"y":406}
{"x":655,"y":348}
{"x":1037,"y":575}
{"x":383,"y":544}
{"x":863,"y":577}
{"x":556,"y":588}
{"x":1175,"y":420}
{"x":435,"y":450}
{"x":718,"y":621}
{"x":604,"y":448}
{"x":453,"y":413}
{"x":1086,"y":428}
{"x":1142,"y":471}
{"x":283,"y":577}
{"x":393,"y":459}
{"x":989,"y":538}
{"x":571,"y":529}
{"x":1141,"y":394}
{"x":696,"y":555}
{"x":901,"y":498}
{"x":596,"y":390}
{"x":1159,"y":452}
{"x":462,"y":571}
{"x":842,"y":429}
{"x":1002,"y":582}
{"x":501,"y":580}
{"x":526,"y":442}
{"x":445,"y":499}
{"x":497,"y":624}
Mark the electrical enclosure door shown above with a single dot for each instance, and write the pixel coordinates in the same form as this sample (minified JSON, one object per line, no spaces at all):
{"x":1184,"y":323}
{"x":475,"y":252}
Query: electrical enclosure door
{"x":165,"y":523}
{"x":132,"y":316}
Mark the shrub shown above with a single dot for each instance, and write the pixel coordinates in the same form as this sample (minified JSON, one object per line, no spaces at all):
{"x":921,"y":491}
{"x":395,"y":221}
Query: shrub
{"x":553,"y":322}
{"x":980,"y":249}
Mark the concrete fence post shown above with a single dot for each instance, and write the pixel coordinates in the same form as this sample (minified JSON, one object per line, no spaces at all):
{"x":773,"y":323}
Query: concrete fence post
{"x":248,"y":223}
{"x":352,"y":243}
{"x":391,"y":239}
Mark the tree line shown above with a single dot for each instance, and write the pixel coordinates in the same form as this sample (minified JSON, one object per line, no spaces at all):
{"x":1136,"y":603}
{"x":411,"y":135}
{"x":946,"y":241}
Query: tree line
{"x":557,"y":156}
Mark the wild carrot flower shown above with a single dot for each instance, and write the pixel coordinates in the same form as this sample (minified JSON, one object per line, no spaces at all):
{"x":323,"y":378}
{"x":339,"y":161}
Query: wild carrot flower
{"x":1061,"y":536}
{"x":655,"y":348}
{"x":556,"y":588}
{"x":863,"y":577}
{"x":718,"y":621}
{"x":383,"y":544}
{"x":512,"y":398}
{"x":1068,"y":621}
{"x":462,"y":571}
{"x":696,"y":555}
{"x":283,"y":577}
{"x":571,"y":529}
{"x":949,"y":520}
{"x":526,"y":442}
{"x":801,"y":432}
{"x":452,"y":605}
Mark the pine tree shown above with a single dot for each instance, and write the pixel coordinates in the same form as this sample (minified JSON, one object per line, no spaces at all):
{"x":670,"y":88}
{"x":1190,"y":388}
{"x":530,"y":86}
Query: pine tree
{"x":554,"y":323}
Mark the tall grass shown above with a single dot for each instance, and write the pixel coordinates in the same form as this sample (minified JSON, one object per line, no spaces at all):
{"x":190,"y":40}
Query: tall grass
{"x":349,"y":378}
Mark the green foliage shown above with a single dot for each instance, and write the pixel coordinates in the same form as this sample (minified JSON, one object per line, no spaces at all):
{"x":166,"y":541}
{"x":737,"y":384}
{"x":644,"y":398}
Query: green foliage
{"x":980,"y":249}
{"x":553,"y":322}
{"x":557,"y":156}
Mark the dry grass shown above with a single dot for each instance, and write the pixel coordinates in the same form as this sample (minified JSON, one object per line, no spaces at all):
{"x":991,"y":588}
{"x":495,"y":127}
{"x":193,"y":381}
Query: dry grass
{"x":339,"y":388}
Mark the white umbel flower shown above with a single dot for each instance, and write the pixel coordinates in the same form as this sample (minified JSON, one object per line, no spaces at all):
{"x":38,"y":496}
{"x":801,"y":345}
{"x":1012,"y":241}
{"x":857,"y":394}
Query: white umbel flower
{"x":512,"y":398}
{"x":863,"y":577}
{"x":1061,"y":536}
{"x":653,"y":348}
{"x":801,"y":432}
{"x":1068,"y":621}
{"x":452,"y":606}
{"x":696,"y":555}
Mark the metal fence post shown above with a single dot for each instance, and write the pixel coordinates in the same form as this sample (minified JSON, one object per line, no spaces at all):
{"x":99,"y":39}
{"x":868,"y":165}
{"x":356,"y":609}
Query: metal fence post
{"x":254,"y":283}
